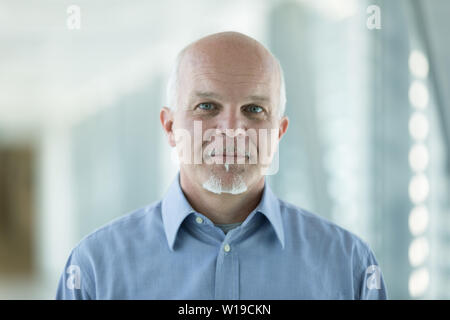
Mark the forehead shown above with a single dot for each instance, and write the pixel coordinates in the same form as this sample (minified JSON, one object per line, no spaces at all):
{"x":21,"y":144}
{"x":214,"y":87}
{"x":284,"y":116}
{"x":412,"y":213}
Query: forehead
{"x":243,"y":71}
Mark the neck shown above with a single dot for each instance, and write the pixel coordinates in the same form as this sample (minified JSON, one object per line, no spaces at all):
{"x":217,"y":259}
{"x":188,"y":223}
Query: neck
{"x":221,"y":208}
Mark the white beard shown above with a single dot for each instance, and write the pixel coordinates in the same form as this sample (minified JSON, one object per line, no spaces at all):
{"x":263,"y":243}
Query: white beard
{"x":215,"y":185}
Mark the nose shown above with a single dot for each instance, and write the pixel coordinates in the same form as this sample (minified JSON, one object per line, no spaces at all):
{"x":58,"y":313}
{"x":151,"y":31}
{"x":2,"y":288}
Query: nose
{"x":231,"y":121}
{"x":231,"y":125}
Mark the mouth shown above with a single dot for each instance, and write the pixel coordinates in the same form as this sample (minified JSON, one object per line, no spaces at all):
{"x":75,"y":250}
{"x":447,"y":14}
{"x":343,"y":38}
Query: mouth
{"x":235,"y":155}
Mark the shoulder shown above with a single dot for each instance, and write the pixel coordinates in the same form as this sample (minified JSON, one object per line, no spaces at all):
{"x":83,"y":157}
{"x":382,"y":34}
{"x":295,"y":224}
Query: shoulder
{"x":121,"y":230}
{"x":314,"y":228}
{"x":335,"y":248}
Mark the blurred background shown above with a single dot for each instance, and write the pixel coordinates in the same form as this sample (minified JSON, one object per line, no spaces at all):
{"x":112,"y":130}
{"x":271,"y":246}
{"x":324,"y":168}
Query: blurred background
{"x":367,"y":145}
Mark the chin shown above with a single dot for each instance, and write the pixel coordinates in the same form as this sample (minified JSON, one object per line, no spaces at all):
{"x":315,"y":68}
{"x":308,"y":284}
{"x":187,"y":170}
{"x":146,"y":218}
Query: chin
{"x":226,"y":182}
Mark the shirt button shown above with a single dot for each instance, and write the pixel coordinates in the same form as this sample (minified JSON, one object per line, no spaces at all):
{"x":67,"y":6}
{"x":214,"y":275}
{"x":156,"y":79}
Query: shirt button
{"x":226,"y":248}
{"x":199,"y":220}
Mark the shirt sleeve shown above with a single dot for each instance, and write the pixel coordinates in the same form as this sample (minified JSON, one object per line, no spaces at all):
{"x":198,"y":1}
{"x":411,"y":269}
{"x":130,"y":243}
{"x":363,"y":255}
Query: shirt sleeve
{"x":75,"y":281}
{"x":372,"y":285}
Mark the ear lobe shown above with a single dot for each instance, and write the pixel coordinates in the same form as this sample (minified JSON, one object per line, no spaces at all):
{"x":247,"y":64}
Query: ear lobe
{"x":166,"y":118}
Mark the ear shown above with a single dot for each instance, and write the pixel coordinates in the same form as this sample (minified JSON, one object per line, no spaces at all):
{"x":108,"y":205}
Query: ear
{"x":284,"y":122}
{"x":166,"y":117}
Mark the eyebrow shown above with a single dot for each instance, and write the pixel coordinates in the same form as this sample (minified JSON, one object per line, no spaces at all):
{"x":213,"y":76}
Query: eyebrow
{"x":210,"y":94}
{"x":259,"y":98}
{"x":207,"y":94}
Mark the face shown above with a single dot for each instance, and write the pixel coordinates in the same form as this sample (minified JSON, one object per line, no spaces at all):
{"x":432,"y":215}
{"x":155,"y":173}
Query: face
{"x":227,"y":126}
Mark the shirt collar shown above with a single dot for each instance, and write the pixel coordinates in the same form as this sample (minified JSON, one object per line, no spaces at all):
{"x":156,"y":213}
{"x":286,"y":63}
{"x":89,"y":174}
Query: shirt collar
{"x":270,"y":207}
{"x":175,"y":208}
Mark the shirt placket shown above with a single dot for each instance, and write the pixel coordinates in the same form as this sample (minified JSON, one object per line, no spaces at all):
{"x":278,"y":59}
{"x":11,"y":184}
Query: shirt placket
{"x":227,"y":271}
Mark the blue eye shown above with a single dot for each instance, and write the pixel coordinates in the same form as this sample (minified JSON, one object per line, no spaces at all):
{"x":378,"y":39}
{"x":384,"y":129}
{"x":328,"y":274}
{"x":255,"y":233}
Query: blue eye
{"x":254,"y":109}
{"x":206,"y":106}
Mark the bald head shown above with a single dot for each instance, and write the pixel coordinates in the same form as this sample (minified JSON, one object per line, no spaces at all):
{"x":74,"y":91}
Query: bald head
{"x":230,"y":56}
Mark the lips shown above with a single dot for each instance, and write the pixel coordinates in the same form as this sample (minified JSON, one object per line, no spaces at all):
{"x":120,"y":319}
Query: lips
{"x":228,"y":154}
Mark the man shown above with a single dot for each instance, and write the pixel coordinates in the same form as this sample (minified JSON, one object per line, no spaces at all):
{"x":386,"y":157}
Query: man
{"x":220,"y":232}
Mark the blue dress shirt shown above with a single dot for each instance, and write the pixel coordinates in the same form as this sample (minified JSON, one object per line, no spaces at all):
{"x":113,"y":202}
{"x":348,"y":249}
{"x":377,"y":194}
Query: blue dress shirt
{"x":166,"y":250}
